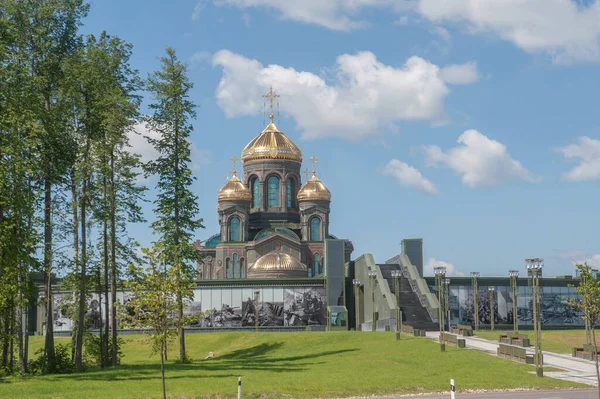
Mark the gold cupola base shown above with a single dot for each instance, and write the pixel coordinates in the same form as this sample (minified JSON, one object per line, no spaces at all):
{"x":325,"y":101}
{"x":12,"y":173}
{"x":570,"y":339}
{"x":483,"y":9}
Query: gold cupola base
{"x":277,"y":264}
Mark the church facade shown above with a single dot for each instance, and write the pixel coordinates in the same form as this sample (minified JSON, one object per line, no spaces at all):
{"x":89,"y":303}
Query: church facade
{"x":272,"y":224}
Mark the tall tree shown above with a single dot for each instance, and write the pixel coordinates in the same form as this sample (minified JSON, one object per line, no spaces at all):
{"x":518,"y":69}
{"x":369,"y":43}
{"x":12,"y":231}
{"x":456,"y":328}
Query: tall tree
{"x":176,"y":206}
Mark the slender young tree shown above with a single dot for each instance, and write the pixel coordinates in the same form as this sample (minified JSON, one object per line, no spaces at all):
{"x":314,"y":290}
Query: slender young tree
{"x":589,"y":304}
{"x":176,"y":206}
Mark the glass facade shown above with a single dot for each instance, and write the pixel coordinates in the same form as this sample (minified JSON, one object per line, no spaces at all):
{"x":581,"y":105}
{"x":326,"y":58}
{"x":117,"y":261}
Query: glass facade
{"x":555,"y":310}
{"x":234,"y":229}
{"x":255,"y":193}
{"x":315,"y":229}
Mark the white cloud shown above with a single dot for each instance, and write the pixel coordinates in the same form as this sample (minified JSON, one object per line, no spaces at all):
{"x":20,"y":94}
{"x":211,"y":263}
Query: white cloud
{"x":140,"y":145}
{"x":461,"y":74}
{"x":200,"y":58}
{"x":198,"y":9}
{"x":480,"y":161}
{"x":409,"y":176}
{"x":593,"y":261}
{"x":587,"y":152}
{"x":364,"y":97}
{"x":441,"y":32}
{"x":450,"y":268}
{"x":567,"y":30}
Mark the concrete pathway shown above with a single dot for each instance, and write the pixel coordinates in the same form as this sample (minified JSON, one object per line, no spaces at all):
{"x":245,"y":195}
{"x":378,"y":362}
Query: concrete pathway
{"x":555,"y":394}
{"x":575,"y":369}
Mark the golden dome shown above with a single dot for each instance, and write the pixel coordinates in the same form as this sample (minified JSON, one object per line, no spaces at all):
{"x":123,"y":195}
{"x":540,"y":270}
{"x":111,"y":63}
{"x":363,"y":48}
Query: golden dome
{"x":233,"y":190}
{"x":271,"y":144}
{"x":314,"y":190}
{"x":277,"y":261}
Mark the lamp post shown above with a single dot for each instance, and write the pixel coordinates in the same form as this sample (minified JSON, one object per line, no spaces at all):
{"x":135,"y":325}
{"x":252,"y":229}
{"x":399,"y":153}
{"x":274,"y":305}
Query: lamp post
{"x":396,"y":276}
{"x":534,"y":269}
{"x":491,"y":290}
{"x":256,"y":298}
{"x":446,"y":302}
{"x":440,"y":275}
{"x":372,"y":279}
{"x":356,"y":284}
{"x":475,"y":280}
{"x":514,"y":274}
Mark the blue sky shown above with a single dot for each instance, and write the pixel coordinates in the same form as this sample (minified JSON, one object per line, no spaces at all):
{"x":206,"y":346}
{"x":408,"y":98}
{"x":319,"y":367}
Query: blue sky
{"x":472,"y":124}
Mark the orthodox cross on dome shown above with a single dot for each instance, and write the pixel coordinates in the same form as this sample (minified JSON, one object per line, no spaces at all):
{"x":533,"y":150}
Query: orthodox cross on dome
{"x":314,"y":161}
{"x":306,"y":174}
{"x":271,"y":97}
{"x":234,"y":160}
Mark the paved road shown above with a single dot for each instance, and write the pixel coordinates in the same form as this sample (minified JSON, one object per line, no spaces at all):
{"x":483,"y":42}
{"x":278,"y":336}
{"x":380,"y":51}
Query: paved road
{"x":575,"y":369}
{"x":557,"y":394}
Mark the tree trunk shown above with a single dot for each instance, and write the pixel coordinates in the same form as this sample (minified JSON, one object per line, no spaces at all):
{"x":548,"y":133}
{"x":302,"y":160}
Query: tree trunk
{"x":113,"y":259}
{"x":105,"y":242}
{"x":182,"y":356}
{"x":22,"y":358}
{"x":82,"y":287}
{"x":162,"y":368}
{"x":100,"y":332}
{"x":49,"y":353}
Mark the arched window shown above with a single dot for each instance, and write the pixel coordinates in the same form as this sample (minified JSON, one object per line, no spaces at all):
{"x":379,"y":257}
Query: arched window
{"x":310,"y":269}
{"x":227,"y":268}
{"x":290,"y":193}
{"x":255,"y":193}
{"x":235,"y":266}
{"x":242,"y":268}
{"x":273,"y":191}
{"x":317,"y":265}
{"x":315,"y":229}
{"x":234,"y":229}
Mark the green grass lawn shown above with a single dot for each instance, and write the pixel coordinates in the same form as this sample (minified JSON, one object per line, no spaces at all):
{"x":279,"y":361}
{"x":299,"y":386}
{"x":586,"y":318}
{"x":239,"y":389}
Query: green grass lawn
{"x":558,"y":341}
{"x":285,"y":365}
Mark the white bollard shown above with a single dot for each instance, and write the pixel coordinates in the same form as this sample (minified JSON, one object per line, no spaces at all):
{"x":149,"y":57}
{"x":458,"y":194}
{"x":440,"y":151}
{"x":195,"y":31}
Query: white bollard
{"x":452,"y":389}
{"x":240,"y":388}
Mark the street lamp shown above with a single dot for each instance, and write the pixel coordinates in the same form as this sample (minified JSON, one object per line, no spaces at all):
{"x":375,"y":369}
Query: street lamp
{"x":396,"y":276}
{"x":440,"y":275}
{"x":475,"y":280}
{"x":492,"y":307}
{"x":356,"y":284}
{"x":373,"y":280}
{"x":256,"y":298}
{"x":534,"y":269}
{"x":446,"y":304}
{"x":514,"y":274}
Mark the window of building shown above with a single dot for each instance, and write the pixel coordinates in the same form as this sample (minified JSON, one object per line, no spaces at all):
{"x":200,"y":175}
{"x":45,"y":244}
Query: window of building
{"x":235,"y":266}
{"x":242,"y":268}
{"x":234,"y":229}
{"x":290,"y":193}
{"x":317,"y":264}
{"x":273,"y":191}
{"x":315,"y":229}
{"x":227,"y":268}
{"x":255,"y":193}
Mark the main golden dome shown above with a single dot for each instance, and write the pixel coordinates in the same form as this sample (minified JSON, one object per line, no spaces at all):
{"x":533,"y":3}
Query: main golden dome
{"x":271,"y":144}
{"x":234,"y":190}
{"x":314,"y":189}
{"x":277,"y":264}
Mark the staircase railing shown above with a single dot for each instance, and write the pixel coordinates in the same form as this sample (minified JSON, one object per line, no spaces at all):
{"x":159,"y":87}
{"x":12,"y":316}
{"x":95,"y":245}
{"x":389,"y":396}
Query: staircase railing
{"x":418,"y":286}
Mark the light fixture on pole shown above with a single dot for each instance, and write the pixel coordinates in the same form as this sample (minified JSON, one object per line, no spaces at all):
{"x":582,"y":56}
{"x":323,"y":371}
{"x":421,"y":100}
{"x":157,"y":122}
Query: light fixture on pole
{"x":356,"y":284}
{"x":475,"y":281}
{"x":440,"y":275}
{"x":373,"y":280}
{"x":396,"y":274}
{"x":491,"y":290}
{"x":534,"y":269}
{"x":446,"y":302}
{"x":514,"y":274}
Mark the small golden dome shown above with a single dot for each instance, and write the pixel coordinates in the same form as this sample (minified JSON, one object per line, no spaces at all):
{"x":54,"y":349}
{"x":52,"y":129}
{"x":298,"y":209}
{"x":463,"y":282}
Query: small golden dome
{"x":234,"y":190}
{"x":271,"y":144}
{"x":277,"y":261}
{"x":314,"y":190}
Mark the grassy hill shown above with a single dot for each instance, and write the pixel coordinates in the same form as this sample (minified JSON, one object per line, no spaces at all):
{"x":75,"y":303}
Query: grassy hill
{"x":286,"y":365}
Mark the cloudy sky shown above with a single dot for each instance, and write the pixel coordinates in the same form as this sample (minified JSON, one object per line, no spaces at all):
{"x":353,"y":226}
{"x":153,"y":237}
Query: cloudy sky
{"x":472,"y":124}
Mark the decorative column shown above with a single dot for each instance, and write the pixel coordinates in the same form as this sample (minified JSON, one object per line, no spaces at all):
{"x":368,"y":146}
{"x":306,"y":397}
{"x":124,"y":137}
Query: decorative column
{"x":372,"y":279}
{"x":256,"y":299}
{"x":356,"y":284}
{"x":491,"y":291}
{"x":440,"y":275}
{"x":514,"y":274}
{"x":475,"y":281}
{"x":534,"y":268}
